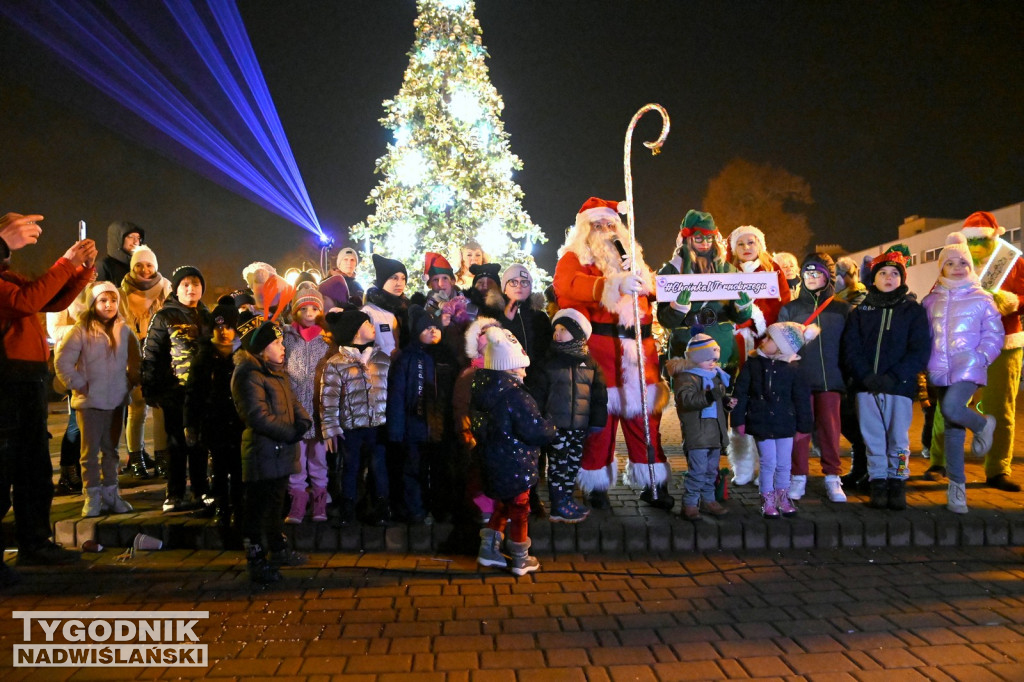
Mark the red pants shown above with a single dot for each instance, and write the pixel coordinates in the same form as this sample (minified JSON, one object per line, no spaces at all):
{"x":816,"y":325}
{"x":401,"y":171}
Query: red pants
{"x":825,"y":408}
{"x":517,"y":513}
{"x":599,"y":448}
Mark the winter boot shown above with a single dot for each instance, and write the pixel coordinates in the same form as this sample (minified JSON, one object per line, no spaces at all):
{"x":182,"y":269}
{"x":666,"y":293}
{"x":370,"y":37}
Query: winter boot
{"x":161,"y":463}
{"x":297,"y":512}
{"x":381,"y":513}
{"x":599,"y":499}
{"x":768,"y":508}
{"x":149,"y":461}
{"x":879,"y":494}
{"x":320,"y":504}
{"x":137,"y":465}
{"x":536,"y":504}
{"x":260,"y":570}
{"x":563,"y":511}
{"x":714,"y":507}
{"x":664,"y":501}
{"x":93,"y":502}
{"x":784,"y":504}
{"x":522,"y":562}
{"x":110,"y":497}
{"x":897,"y":494}
{"x":956,"y":498}
{"x":490,"y":553}
{"x":797,"y":486}
{"x":70,"y":481}
{"x":346,"y":513}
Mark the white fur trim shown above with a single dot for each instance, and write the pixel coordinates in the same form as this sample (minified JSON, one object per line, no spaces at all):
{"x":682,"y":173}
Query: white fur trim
{"x":742,"y":457}
{"x":748,"y":339}
{"x":982,"y":232}
{"x":590,"y":480}
{"x":760,"y":324}
{"x":1014,"y":340}
{"x":629,"y":396}
{"x":640,"y":474}
{"x":473,"y":331}
{"x":742,"y":230}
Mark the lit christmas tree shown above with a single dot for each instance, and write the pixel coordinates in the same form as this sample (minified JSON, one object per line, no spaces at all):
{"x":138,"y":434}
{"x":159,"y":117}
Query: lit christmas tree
{"x":448,"y":173}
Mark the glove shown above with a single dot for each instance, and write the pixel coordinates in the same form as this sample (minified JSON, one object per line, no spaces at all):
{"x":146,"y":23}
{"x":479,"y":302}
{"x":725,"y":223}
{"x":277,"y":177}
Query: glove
{"x":631,"y":285}
{"x":879,"y":383}
{"x":682,"y":302}
{"x":889,"y":383}
{"x":744,"y":300}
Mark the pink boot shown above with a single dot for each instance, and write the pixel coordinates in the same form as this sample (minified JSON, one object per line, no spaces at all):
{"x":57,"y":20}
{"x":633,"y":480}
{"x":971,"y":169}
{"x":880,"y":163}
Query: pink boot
{"x":320,"y":498}
{"x":784,"y":504}
{"x":768,"y":509}
{"x":297,"y":512}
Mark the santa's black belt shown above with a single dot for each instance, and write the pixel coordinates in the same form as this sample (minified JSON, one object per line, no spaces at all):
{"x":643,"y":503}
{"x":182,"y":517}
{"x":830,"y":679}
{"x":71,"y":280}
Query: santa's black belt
{"x":607,"y":329}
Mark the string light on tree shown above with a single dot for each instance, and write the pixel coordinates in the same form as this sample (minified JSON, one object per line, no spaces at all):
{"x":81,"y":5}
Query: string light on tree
{"x":448,"y":176}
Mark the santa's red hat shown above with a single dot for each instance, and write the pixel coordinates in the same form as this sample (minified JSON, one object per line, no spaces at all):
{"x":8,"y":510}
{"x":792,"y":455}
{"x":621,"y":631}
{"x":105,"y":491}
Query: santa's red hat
{"x":982,"y":225}
{"x":594,"y":207}
{"x":436,"y":264}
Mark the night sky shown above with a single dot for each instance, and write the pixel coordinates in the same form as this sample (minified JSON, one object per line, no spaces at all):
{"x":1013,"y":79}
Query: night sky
{"x":887,"y":109}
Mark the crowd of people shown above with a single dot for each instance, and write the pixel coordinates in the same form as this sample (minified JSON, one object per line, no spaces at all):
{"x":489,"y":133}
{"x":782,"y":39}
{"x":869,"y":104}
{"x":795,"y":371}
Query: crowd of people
{"x":316,"y":401}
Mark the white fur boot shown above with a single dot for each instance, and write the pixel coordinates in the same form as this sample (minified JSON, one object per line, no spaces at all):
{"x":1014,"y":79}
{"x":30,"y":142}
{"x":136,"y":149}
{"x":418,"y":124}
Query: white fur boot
{"x":742,"y":458}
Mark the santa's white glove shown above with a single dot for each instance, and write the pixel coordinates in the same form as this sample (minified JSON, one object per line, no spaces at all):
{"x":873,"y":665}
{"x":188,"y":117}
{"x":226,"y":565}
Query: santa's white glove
{"x":631,"y":285}
{"x":682,"y":302}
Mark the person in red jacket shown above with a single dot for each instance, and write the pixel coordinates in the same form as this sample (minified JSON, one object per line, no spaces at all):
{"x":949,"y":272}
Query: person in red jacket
{"x":24,"y":448}
{"x":592,"y":278}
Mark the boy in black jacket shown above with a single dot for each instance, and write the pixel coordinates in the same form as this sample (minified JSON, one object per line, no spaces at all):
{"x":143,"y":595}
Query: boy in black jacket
{"x":572,"y":394}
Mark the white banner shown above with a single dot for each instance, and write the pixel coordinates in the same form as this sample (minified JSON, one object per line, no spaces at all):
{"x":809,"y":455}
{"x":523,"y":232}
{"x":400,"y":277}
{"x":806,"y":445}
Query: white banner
{"x":720,"y":287}
{"x":999,"y":264}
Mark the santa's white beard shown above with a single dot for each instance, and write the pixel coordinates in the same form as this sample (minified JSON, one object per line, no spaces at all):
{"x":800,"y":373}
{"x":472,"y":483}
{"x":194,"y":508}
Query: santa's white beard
{"x":606,"y":256}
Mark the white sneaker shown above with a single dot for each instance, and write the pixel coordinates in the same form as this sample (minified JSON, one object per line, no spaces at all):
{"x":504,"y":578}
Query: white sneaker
{"x":797,"y":487}
{"x":926,"y":453}
{"x":956,"y":498}
{"x":982,"y":442}
{"x":834,"y":488}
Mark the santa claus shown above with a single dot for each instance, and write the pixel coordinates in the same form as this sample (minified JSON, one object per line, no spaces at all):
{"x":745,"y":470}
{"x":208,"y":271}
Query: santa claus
{"x":593,"y":278}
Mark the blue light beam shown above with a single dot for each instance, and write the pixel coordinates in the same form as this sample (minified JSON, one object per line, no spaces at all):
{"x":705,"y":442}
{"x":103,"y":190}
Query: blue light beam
{"x":218,"y":108}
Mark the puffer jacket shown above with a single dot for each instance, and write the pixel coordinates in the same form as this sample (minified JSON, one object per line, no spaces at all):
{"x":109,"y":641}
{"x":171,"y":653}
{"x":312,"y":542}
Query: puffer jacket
{"x":117,"y":263}
{"x":420,"y":385}
{"x":98,"y":378}
{"x":691,"y":399}
{"x":967,"y":333}
{"x":571,"y":391}
{"x":819,"y":358}
{"x":305,"y":362}
{"x":175,"y":337}
{"x":888,"y":335}
{"x":772,"y":399}
{"x":509,"y":431}
{"x":377,"y":302}
{"x":274,"y":420}
{"x":354,"y":394}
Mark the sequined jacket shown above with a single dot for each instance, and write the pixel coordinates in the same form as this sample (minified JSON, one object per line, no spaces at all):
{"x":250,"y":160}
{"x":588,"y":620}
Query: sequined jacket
{"x":509,"y":430}
{"x":305,"y":362}
{"x":967,"y":334}
{"x":354,"y":391}
{"x":175,"y":336}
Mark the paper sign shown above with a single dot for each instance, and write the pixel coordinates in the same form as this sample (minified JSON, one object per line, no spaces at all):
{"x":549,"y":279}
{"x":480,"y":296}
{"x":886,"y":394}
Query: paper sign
{"x":998,"y":266}
{"x":719,"y":287}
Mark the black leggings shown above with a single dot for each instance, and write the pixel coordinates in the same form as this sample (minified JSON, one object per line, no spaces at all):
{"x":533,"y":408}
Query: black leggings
{"x":264,"y":513}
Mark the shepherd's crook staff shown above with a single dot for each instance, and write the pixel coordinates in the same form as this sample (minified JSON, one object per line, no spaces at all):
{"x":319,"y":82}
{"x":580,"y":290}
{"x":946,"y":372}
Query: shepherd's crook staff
{"x":655,"y":148}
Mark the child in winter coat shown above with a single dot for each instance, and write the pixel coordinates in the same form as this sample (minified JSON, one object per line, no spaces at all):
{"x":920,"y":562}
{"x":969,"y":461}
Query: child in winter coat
{"x":773,"y":404}
{"x":274,"y":424}
{"x":419,"y":415}
{"x":99,"y":361}
{"x":209,"y":404}
{"x":967,"y":335}
{"x":306,"y":350}
{"x":820,"y":367}
{"x":509,"y":431}
{"x":700,"y":387}
{"x":572,"y":394}
{"x":886,"y":344}
{"x":353,"y":409}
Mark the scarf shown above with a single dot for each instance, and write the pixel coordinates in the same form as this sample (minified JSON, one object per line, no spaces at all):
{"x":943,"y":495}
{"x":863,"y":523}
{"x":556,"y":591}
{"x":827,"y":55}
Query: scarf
{"x":881,"y":299}
{"x":956,"y":283}
{"x":142,"y":284}
{"x":307,"y":333}
{"x":708,"y":376}
{"x":574,"y":349}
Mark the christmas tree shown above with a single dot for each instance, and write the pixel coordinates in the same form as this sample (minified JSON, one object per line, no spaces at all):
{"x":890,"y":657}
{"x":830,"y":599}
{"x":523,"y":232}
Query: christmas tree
{"x":448,"y":172}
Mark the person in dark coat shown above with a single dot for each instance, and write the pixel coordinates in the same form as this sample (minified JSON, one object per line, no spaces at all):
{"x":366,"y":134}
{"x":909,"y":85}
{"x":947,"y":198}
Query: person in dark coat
{"x":419,"y":416}
{"x":773,"y":404}
{"x":887,"y":342}
{"x":274,"y":424}
{"x":531,"y":327}
{"x":509,"y":431}
{"x":572,"y":393}
{"x":122,"y":238}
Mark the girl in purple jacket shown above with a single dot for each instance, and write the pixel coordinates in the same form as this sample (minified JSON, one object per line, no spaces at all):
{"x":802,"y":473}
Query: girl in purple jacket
{"x":967,"y":336}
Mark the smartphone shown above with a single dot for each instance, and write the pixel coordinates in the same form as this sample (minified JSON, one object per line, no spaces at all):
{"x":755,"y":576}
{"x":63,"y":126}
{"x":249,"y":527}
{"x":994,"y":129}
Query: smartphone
{"x":81,"y":230}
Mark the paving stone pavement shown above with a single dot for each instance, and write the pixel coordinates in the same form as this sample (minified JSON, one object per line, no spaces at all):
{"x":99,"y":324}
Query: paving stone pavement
{"x":630,"y":527}
{"x":940,"y":613}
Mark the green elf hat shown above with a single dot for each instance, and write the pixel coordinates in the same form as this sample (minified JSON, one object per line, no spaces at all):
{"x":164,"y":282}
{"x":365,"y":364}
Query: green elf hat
{"x":695,"y":221}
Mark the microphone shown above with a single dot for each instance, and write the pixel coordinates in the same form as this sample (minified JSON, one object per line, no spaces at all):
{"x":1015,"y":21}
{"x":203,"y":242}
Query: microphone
{"x":621,"y":249}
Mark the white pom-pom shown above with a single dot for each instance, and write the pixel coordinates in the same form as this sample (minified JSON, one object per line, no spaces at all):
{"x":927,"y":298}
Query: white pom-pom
{"x":811,"y":332}
{"x":622,"y":207}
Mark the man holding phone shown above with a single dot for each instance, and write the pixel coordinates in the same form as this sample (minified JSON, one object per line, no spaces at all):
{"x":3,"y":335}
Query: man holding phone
{"x":24,"y":447}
